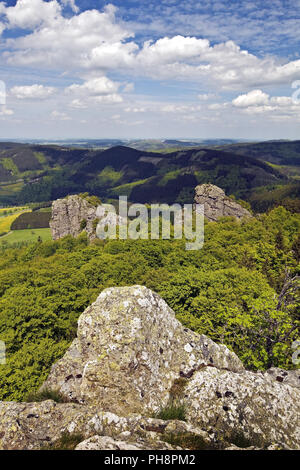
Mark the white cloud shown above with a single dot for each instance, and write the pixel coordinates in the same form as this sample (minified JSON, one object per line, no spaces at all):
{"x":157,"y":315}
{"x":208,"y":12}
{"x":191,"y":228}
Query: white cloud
{"x":96,"y":90}
{"x":95,"y":87}
{"x":224,"y":64}
{"x":31,"y":13}
{"x":135,"y":109}
{"x":91,"y":47}
{"x":206,"y":96}
{"x":180,"y":108}
{"x":72,"y":5}
{"x":32,"y":92}
{"x":78,"y":104}
{"x":5,"y":111}
{"x":94,"y":41}
{"x":91,"y":39}
{"x":109,"y":99}
{"x":172,"y":50}
{"x":275,"y":108}
{"x":253,"y":98}
{"x":57,"y":115}
{"x":259,"y":99}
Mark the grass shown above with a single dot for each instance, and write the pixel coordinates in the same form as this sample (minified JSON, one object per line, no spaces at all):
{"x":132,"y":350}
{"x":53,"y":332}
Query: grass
{"x":40,"y":157}
{"x":46,"y":394}
{"x":125,"y":189}
{"x":5,"y":222}
{"x":4,"y":211}
{"x":28,"y":235}
{"x":10,"y":189}
{"x":67,"y":441}
{"x":173,"y":410}
{"x":189,"y":441}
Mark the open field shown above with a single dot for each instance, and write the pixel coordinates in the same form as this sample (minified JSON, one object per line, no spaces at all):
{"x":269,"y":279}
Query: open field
{"x":28,"y":235}
{"x":5,"y":211}
{"x":6,"y":221}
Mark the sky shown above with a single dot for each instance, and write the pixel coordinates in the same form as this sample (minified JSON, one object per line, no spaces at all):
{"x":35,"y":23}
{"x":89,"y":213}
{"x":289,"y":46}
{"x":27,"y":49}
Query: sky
{"x":150,"y":69}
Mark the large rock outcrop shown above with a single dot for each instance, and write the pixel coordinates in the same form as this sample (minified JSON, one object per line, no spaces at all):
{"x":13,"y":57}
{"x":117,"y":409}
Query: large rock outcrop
{"x":217,"y":204}
{"x":72,"y":215}
{"x":131,"y":357}
{"x":129,"y":350}
{"x":75,"y":214}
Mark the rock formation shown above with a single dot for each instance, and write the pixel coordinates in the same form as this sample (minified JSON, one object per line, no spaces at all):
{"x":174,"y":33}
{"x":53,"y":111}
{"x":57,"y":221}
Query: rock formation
{"x":129,"y":350}
{"x":217,"y":204}
{"x":74,"y":214}
{"x":131,"y":358}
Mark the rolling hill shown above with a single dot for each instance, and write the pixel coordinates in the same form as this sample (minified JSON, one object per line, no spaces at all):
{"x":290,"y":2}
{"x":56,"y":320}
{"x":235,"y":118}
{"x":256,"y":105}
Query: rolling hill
{"x":35,"y":173}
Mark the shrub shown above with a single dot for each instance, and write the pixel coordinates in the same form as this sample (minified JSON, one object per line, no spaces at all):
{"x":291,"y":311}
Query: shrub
{"x":67,"y":441}
{"x":83,"y":224}
{"x":173,"y":410}
{"x":46,"y":394}
{"x":189,"y":441}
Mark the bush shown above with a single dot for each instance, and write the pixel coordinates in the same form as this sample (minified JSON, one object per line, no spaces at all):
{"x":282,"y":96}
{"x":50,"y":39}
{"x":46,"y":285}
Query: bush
{"x":189,"y":441}
{"x":46,"y":394}
{"x":173,"y":410}
{"x":67,"y":441}
{"x":83,"y":224}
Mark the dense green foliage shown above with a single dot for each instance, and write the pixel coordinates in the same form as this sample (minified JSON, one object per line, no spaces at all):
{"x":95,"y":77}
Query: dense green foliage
{"x":280,"y":152}
{"x":46,"y":173}
{"x":228,"y":290}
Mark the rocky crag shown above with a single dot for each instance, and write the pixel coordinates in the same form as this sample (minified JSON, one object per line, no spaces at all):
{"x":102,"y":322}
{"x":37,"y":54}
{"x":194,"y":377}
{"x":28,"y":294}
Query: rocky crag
{"x":131,"y":358}
{"x":217,"y":204}
{"x":75,"y":214}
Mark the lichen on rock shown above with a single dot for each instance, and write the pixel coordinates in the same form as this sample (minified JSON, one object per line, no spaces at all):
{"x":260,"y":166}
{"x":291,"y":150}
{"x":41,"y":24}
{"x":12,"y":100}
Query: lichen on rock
{"x":217,"y":204}
{"x":130,"y":357}
{"x":129,"y":350}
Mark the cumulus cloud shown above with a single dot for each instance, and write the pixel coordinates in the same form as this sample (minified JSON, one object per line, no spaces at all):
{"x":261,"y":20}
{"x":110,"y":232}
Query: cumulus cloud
{"x":96,"y":90}
{"x":90,"y":39}
{"x":31,"y":13}
{"x":225,"y":63}
{"x":275,"y":108}
{"x":90,"y":46}
{"x":32,"y":92}
{"x":96,"y":86}
{"x":253,"y":98}
{"x":257,"y":98}
{"x":94,"y":41}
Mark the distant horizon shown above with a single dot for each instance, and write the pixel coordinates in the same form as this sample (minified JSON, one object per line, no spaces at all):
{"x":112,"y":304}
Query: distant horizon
{"x":139,"y":139}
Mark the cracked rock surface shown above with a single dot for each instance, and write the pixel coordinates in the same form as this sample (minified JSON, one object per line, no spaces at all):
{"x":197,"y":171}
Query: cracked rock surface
{"x":132,"y":357}
{"x":217,"y":204}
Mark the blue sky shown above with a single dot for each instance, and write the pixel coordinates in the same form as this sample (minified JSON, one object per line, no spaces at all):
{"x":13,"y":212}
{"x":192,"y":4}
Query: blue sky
{"x":150,"y":69}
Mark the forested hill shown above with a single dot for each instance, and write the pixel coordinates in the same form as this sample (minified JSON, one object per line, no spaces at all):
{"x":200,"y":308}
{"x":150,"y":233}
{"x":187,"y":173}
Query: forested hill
{"x":35,"y":173}
{"x":277,"y":152}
